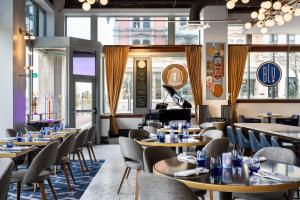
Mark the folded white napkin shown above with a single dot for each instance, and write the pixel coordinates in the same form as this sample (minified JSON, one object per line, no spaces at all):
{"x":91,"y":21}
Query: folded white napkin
{"x":191,"y":172}
{"x":187,"y":158}
{"x":191,"y":140}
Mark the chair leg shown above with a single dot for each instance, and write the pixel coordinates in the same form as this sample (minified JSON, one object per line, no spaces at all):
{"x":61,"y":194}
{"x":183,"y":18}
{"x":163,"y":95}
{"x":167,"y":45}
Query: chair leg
{"x":42,"y":190}
{"x":136,"y":194}
{"x":73,"y":156}
{"x":87,"y":169}
{"x":55,"y":170}
{"x":92,"y":149}
{"x":64,"y":168}
{"x":128,"y":172}
{"x":89,"y":150}
{"x":211,"y":195}
{"x":52,"y":189}
{"x":70,"y":170}
{"x":124,"y":174}
{"x":19,"y":191}
{"x":34,"y":186}
{"x":80,"y":163}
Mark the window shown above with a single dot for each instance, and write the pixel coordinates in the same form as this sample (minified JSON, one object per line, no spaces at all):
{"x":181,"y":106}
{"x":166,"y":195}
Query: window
{"x":84,"y":32}
{"x":111,"y":31}
{"x":35,"y":19}
{"x":236,"y":34}
{"x":42,"y":23}
{"x":185,"y":34}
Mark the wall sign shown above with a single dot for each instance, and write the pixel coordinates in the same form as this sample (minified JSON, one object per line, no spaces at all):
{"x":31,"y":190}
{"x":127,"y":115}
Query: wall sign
{"x":141,"y":83}
{"x":175,"y":75}
{"x":269,"y":74}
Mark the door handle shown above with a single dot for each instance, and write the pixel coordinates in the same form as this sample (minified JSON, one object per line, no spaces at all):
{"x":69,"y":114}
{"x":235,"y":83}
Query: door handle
{"x":95,"y":111}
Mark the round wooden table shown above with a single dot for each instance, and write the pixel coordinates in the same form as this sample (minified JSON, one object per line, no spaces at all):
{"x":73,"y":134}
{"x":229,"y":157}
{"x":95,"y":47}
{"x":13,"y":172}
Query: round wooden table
{"x":232,"y":180}
{"x":189,"y":130}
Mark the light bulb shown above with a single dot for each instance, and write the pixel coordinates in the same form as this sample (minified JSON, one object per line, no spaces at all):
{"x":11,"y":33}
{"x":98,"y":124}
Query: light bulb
{"x":262,"y":11}
{"x":245,"y":1}
{"x":261,"y":17}
{"x":81,"y":1}
{"x":285,"y":8}
{"x":263,"y":30}
{"x":91,"y":1}
{"x":104,"y":2}
{"x":287,"y":17}
{"x":278,"y":18}
{"x":297,"y":12}
{"x":234,"y":1}
{"x":280,"y":23}
{"x":86,"y":6}
{"x":291,"y":10}
{"x":270,"y":23}
{"x":254,"y":15}
{"x":248,"y":25}
{"x":230,"y":4}
{"x":277,"y":5}
{"x":260,"y":24}
{"x":268,"y":5}
{"x":262,"y":4}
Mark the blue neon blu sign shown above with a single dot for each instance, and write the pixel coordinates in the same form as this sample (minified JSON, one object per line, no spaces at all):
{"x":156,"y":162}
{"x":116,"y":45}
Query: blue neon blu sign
{"x":269,"y":74}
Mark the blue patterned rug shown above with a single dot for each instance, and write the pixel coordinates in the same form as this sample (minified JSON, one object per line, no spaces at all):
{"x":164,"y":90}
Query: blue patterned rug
{"x":60,"y":186}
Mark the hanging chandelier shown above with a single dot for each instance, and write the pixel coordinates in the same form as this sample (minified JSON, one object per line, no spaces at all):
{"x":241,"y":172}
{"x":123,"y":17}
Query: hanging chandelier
{"x":273,"y":13}
{"x":87,"y":4}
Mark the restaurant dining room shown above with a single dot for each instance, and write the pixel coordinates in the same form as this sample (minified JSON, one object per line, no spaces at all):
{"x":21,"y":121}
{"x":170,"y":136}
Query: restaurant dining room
{"x":150,"y":99}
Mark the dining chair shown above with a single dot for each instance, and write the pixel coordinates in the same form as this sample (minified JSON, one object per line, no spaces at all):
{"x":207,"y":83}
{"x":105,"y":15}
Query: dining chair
{"x":242,"y":141}
{"x":90,"y":141}
{"x":216,"y":147}
{"x":243,"y":119}
{"x":138,"y":134}
{"x":156,"y":125}
{"x":132,"y":154}
{"x":62,"y":158}
{"x":292,"y":121}
{"x":160,"y":187}
{"x":263,"y":140}
{"x":275,"y":154}
{"x":80,"y":142}
{"x":5,"y":175}
{"x":213,"y":134}
{"x":232,"y":136}
{"x":11,"y":132}
{"x":29,"y":127}
{"x":38,"y":171}
{"x":274,"y":141}
{"x":206,"y":125}
{"x":207,"y":129}
{"x":254,"y":143}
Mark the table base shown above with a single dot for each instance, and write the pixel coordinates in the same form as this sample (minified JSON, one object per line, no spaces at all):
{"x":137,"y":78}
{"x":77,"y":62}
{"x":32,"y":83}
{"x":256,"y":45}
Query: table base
{"x":225,"y":196}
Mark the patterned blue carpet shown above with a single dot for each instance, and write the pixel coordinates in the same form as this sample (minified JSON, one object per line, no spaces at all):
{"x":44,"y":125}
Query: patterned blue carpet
{"x":60,"y":186}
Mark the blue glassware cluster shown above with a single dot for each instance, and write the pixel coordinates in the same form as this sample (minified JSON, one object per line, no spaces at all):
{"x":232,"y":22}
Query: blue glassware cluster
{"x":237,"y":158}
{"x":161,"y":137}
{"x":201,"y":159}
{"x":55,"y":128}
{"x":216,"y":166}
{"x":9,"y":144}
{"x":19,"y":136}
{"x":254,"y":165}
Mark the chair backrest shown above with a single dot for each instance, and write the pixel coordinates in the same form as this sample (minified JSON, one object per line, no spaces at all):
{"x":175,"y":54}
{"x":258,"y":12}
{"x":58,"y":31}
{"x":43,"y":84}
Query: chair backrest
{"x":254,"y":143}
{"x":160,"y":187}
{"x":43,"y":160}
{"x":207,"y":129}
{"x":150,"y":129}
{"x":206,"y":125}
{"x":11,"y":132}
{"x":274,"y":141}
{"x":65,"y":148}
{"x":263,"y":140}
{"x":278,"y":154}
{"x":231,"y":135}
{"x":5,"y":174}
{"x":131,"y":150}
{"x":81,"y":139}
{"x":92,"y":133}
{"x":214,"y":134}
{"x":29,"y":127}
{"x":292,"y":121}
{"x":153,"y":155}
{"x":216,"y":147}
{"x":156,"y":125}
{"x":243,"y":142}
{"x":243,"y":119}
{"x":138,"y":134}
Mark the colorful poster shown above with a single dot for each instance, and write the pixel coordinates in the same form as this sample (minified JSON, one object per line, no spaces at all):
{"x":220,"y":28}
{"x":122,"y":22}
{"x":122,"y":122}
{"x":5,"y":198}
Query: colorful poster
{"x":215,"y":71}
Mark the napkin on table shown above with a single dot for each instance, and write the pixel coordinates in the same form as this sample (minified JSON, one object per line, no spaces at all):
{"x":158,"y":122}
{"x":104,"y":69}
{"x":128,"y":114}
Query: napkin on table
{"x":191,"y":172}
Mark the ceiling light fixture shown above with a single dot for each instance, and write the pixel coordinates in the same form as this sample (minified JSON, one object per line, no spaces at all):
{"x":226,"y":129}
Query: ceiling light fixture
{"x":87,"y":4}
{"x":231,"y":3}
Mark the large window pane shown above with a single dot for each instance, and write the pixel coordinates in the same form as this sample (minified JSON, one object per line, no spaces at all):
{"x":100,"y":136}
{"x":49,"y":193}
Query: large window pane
{"x":79,"y":27}
{"x":294,"y":74}
{"x":184,"y":34}
{"x":135,"y":31}
{"x":236,"y":34}
{"x":42,"y":23}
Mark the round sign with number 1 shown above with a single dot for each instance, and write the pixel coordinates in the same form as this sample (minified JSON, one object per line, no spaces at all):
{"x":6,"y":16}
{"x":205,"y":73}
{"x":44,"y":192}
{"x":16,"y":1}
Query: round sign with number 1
{"x":269,"y":74}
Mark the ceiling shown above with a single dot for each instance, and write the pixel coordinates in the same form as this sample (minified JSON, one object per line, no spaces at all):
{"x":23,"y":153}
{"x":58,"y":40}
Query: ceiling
{"x":75,"y":4}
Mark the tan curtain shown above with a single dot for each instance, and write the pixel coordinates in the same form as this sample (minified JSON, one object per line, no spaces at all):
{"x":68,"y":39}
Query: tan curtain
{"x":237,"y":57}
{"x":115,"y":62}
{"x":193,"y":57}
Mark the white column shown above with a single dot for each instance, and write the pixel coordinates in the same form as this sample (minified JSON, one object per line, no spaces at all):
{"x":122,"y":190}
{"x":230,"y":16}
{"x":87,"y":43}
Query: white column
{"x":216,"y":33}
{"x":12,"y":56}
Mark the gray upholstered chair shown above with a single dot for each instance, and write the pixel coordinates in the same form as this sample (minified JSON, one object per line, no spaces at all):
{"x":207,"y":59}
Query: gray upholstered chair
{"x":156,"y":125}
{"x":206,"y":125}
{"x":90,"y":142}
{"x":153,"y":155}
{"x":216,"y":147}
{"x":5,"y":174}
{"x":29,"y":127}
{"x":38,"y":170}
{"x":80,"y":142}
{"x":207,"y":129}
{"x":214,"y":134}
{"x":158,"y":187}
{"x":62,"y":158}
{"x":11,"y":132}
{"x":276,"y":154}
{"x":138,"y":134}
{"x":132,"y":153}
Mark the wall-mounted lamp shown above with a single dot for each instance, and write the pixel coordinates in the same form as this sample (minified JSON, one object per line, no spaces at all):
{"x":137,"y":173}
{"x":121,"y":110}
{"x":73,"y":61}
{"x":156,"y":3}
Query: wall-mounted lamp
{"x":28,"y":68}
{"x":27,"y":36}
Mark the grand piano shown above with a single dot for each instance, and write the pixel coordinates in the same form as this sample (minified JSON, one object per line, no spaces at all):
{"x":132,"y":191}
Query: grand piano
{"x":164,"y":115}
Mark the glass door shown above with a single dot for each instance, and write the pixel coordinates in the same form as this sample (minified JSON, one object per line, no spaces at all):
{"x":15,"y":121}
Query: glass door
{"x":85,"y":110}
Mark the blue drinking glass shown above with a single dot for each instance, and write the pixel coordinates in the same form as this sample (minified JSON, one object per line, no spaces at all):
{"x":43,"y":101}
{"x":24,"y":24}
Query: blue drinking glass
{"x":201,"y":159}
{"x":19,"y":136}
{"x":216,"y":166}
{"x":254,"y":165}
{"x":237,"y":158}
{"x":9,"y":144}
{"x":162,"y":137}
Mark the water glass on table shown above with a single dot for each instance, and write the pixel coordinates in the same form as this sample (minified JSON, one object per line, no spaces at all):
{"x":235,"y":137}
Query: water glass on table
{"x":162,"y":137}
{"x":9,"y":144}
{"x":254,"y":165}
{"x":19,"y":136}
{"x":237,"y":158}
{"x":216,"y":166}
{"x":201,"y":159}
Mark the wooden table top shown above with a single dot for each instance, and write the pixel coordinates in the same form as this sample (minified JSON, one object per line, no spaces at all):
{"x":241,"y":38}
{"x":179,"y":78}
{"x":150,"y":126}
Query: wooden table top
{"x":15,"y":153}
{"x":189,"y":130}
{"x":196,"y":141}
{"x":59,"y":134}
{"x":267,"y":116}
{"x":39,"y":142}
{"x":232,"y":180}
{"x":282,"y":131}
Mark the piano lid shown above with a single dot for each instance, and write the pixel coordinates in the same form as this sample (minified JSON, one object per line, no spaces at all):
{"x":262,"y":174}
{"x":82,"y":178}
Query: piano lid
{"x":177,"y":98}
